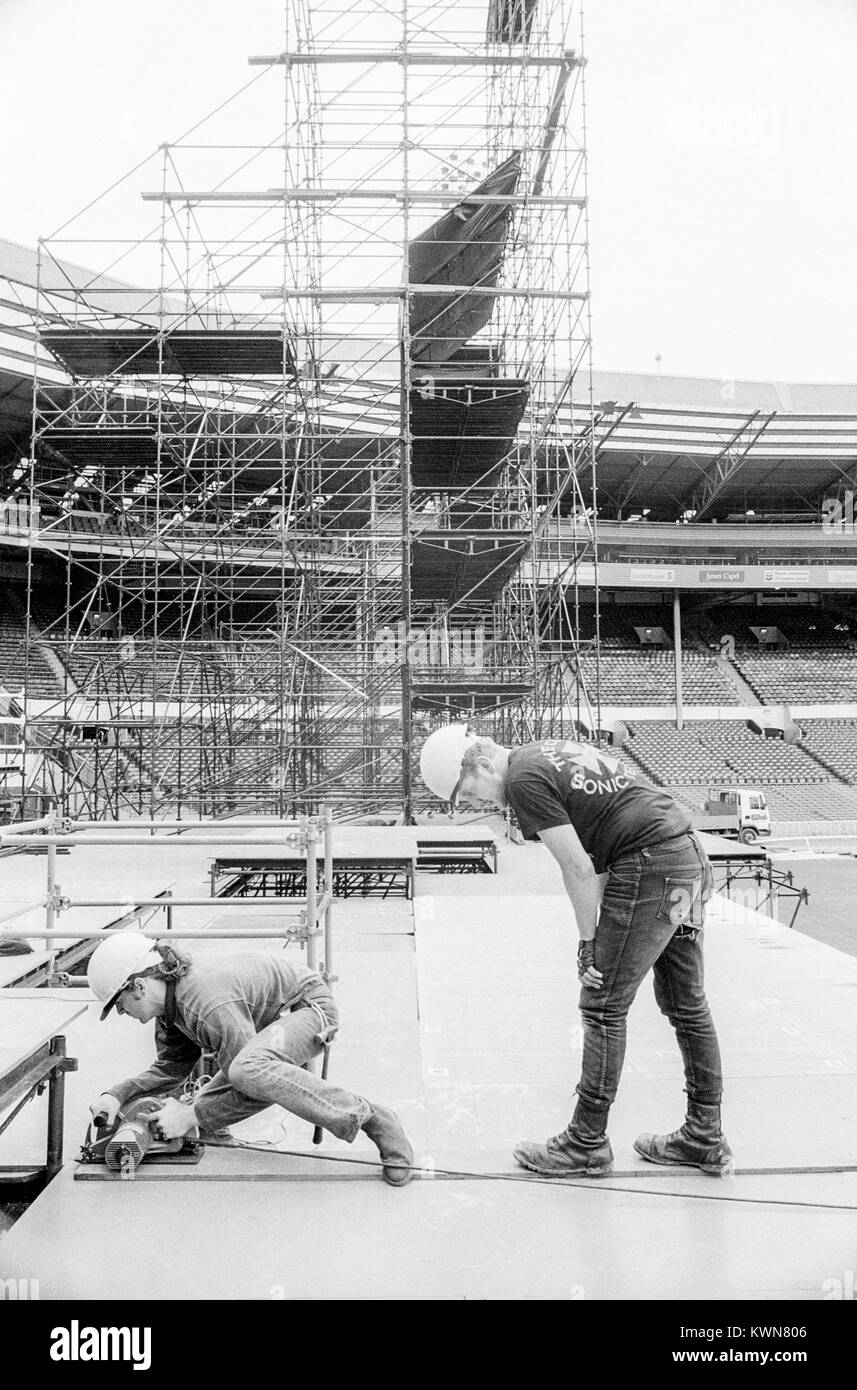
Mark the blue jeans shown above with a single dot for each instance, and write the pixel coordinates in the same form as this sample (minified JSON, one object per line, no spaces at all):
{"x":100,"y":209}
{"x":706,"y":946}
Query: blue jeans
{"x":270,"y":1070}
{"x":651,"y":918}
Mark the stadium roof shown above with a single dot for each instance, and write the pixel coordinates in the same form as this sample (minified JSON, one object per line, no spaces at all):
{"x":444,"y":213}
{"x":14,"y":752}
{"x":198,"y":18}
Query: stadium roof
{"x":726,"y":394}
{"x":667,"y":446}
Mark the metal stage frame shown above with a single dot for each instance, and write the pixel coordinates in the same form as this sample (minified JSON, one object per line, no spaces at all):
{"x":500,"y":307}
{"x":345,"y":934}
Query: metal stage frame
{"x":383,"y":863}
{"x":304,"y":473}
{"x":748,"y":877}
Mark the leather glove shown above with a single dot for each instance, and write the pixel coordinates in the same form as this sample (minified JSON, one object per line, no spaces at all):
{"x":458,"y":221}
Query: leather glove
{"x":585,"y":958}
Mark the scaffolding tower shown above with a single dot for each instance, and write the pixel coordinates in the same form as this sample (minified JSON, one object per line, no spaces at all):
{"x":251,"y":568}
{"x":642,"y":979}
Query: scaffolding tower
{"x":311,"y":482}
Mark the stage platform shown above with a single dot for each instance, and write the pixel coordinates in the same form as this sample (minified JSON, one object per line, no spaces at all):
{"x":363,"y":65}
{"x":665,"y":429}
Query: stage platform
{"x":459,"y":1009}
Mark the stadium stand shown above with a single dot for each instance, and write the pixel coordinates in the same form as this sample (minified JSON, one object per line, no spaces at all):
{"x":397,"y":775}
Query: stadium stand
{"x":739,"y":755}
{"x":833,"y":742}
{"x":139,"y":668}
{"x":806,"y":676}
{"x":708,"y":753}
{"x":646,"y":678}
{"x":618,"y":622}
{"x":820,"y":801}
{"x":40,"y":679}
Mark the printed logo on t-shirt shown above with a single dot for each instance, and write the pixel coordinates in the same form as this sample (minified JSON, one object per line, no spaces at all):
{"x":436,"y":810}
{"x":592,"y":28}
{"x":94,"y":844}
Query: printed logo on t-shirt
{"x":589,"y":770}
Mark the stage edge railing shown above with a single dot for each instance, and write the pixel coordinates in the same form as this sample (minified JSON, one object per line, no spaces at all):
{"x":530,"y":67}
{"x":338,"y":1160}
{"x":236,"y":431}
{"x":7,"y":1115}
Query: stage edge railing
{"x":312,"y":916}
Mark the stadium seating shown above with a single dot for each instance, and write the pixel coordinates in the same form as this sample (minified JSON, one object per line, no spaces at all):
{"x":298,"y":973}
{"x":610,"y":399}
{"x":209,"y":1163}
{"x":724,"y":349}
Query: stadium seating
{"x":712,"y":751}
{"x":800,"y":675}
{"x":668,"y":755}
{"x":816,"y":663}
{"x":816,"y":779}
{"x":834,"y":741}
{"x":646,"y":678}
{"x":819,"y":801}
{"x":140,"y":669}
{"x":708,"y":753}
{"x":617,"y":623}
{"x":802,"y":625}
{"x":15,"y":671}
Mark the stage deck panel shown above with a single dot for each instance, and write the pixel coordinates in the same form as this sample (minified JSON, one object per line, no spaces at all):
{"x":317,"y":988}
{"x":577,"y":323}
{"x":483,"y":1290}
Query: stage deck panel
{"x":13,"y":968}
{"x":27,"y":1023}
{"x":475,"y":1039}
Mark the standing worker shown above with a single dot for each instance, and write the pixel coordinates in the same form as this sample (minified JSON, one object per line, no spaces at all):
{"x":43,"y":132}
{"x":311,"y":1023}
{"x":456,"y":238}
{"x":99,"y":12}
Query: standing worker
{"x":262,"y":1016}
{"x":597,"y":816}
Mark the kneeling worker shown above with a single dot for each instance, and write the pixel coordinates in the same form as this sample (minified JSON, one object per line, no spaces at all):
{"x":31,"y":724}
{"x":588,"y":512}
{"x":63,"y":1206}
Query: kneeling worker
{"x":262,"y":1016}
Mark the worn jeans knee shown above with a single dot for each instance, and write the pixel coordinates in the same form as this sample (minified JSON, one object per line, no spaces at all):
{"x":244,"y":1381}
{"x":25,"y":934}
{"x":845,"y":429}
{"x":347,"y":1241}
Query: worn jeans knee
{"x":251,"y":1070}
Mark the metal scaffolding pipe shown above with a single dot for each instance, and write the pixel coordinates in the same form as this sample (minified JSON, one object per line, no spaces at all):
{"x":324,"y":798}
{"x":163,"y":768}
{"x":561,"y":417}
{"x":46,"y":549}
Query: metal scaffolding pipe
{"x":22,"y":911}
{"x":327,"y":903}
{"x":24,"y":826}
{"x":131,"y":904}
{"x":51,"y":840}
{"x":416,"y":58}
{"x":271,"y":823}
{"x":243,"y":690}
{"x":164,"y":933}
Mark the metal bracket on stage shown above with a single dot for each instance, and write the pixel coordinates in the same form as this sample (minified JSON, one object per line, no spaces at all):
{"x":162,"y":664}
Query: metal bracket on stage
{"x":298,"y":931}
{"x":57,"y":900}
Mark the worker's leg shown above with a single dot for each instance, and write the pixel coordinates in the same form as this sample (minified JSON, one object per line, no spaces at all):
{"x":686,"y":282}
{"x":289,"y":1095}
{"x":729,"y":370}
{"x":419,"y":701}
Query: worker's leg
{"x":634,"y":926}
{"x":680,"y":994}
{"x":269,"y":1070}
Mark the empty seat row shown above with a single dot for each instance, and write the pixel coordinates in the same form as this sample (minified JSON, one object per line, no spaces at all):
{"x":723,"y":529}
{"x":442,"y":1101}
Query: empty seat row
{"x":647,"y":678}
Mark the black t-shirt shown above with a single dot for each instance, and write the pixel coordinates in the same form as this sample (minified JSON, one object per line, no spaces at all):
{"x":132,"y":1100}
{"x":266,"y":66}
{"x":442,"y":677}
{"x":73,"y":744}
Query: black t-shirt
{"x":613,"y":809}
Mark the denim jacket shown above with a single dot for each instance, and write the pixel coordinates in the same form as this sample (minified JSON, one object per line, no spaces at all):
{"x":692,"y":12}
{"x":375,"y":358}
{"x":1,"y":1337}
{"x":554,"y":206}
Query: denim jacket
{"x":218,"y":1007}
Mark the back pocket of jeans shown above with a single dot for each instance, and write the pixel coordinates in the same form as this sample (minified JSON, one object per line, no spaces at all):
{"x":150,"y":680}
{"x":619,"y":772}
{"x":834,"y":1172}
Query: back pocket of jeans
{"x":681,"y":903}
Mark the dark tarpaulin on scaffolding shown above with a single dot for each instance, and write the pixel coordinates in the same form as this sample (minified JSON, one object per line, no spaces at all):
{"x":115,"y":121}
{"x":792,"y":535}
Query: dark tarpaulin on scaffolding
{"x":452,"y":565}
{"x":510,"y":21}
{"x":464,"y":247}
{"x":462,"y":431}
{"x":178,"y":352}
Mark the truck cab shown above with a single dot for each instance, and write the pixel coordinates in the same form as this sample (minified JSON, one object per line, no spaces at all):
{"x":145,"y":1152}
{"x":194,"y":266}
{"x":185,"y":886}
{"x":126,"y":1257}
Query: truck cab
{"x":739,"y":811}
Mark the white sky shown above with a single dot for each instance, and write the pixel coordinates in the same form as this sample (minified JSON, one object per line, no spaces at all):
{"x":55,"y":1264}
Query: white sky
{"x":721,"y":139}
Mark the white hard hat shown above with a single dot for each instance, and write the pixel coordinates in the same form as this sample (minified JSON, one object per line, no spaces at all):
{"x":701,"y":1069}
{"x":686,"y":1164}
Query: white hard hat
{"x":115,"y":961}
{"x":440,"y":759}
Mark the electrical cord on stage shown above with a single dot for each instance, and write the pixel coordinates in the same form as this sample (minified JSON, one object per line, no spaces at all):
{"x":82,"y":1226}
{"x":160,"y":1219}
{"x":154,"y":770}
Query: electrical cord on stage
{"x":589,"y":1184}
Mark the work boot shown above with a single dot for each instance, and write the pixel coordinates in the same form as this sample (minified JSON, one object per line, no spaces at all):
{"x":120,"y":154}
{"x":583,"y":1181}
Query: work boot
{"x":582,"y":1150}
{"x":699,"y":1143}
{"x":387,"y":1135}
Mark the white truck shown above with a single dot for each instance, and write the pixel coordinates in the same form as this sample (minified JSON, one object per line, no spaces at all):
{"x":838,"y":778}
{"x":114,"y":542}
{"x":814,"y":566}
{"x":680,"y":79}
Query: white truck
{"x":741,"y":812}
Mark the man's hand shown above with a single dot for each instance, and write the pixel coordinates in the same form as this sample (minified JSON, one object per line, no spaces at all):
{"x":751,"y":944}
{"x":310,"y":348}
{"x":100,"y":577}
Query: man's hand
{"x":104,"y":1110}
{"x":589,"y":977}
{"x":172,"y":1120}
